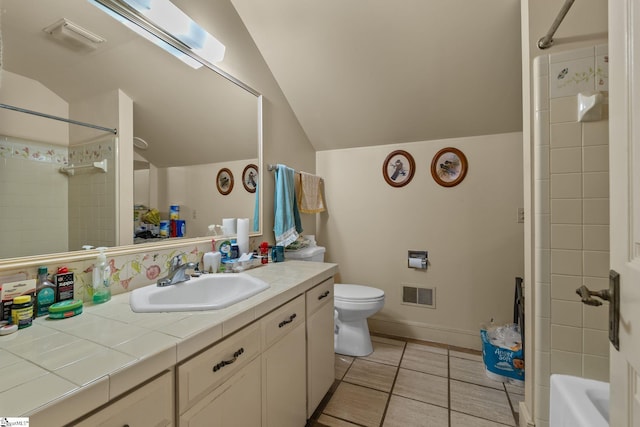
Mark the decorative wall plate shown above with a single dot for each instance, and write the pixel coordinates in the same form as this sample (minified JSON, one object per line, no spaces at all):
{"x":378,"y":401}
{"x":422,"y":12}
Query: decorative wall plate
{"x":449,"y":167}
{"x":224,"y":181}
{"x":250,"y":178}
{"x":398,"y":168}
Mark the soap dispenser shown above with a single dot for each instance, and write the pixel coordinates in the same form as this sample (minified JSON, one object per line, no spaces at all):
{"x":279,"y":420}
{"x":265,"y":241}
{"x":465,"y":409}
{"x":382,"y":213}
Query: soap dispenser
{"x":101,"y":279}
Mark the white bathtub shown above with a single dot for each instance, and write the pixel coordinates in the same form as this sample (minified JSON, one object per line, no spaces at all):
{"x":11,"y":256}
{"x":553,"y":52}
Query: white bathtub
{"x":578,"y":401}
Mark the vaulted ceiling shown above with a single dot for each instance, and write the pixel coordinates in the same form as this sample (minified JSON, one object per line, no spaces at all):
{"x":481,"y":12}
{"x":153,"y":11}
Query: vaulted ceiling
{"x":371,"y":72}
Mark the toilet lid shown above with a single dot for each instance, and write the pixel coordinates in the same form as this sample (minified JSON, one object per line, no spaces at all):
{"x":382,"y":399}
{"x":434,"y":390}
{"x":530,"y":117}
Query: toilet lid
{"x":356,"y":292}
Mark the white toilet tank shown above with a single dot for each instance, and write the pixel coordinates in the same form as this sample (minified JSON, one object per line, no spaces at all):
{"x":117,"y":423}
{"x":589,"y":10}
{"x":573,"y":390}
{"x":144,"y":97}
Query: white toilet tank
{"x":311,"y":253}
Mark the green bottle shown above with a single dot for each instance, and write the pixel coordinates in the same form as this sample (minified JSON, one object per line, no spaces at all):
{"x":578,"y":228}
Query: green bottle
{"x":45,"y":293}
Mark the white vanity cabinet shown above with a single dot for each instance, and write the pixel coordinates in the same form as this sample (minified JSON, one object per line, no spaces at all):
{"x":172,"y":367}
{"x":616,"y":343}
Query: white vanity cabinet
{"x":221,"y":386}
{"x":320,"y":355}
{"x":284,"y":366}
{"x":236,"y":403}
{"x":150,"y":405}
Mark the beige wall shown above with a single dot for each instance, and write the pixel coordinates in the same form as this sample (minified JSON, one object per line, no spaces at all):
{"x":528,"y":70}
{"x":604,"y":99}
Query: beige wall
{"x":471,"y":233}
{"x":201,"y":204}
{"x":284,"y":139}
{"x":20,"y":91}
{"x":585,"y":25}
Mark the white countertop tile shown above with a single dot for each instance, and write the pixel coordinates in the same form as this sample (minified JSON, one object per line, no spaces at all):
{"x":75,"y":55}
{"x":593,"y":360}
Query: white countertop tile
{"x":71,"y":353}
{"x":56,"y":370}
{"x":94,"y":367}
{"x":19,"y":373}
{"x":23,"y":398}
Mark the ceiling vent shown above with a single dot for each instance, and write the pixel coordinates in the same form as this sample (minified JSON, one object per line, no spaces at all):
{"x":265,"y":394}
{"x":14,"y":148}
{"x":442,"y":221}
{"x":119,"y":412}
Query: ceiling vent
{"x":73,"y":36}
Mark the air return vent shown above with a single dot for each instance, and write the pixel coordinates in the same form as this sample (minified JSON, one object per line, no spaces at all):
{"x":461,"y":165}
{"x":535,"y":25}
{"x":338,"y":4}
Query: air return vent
{"x":414,"y":295}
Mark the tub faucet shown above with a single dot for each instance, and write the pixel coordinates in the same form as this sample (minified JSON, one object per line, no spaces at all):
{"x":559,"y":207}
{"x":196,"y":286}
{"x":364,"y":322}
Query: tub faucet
{"x":177,"y":272}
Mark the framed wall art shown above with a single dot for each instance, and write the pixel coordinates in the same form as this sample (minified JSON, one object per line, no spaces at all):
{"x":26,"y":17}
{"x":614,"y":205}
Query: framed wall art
{"x":449,"y":167}
{"x":398,"y":168}
{"x":224,"y":181}
{"x":250,"y":178}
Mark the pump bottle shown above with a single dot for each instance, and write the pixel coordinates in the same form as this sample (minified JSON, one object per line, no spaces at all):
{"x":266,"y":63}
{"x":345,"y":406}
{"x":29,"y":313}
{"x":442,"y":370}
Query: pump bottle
{"x":101,"y":279}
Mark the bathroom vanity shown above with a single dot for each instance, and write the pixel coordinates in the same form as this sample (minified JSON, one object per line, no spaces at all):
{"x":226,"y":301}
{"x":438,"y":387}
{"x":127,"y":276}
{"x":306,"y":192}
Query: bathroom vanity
{"x":265,"y":361}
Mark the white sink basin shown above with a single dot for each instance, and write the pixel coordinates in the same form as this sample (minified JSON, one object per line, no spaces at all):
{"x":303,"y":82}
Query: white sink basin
{"x":207,"y":292}
{"x":578,"y":401}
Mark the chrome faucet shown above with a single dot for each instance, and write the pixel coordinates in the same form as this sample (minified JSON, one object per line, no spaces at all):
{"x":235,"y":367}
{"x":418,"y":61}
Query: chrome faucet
{"x":177,"y":272}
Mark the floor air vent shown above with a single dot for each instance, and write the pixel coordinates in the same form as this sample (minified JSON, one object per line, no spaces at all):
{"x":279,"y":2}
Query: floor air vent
{"x":413,"y":295}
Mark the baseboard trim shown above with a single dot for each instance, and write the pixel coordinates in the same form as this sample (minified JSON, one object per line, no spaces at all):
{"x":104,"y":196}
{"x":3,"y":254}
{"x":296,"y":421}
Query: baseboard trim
{"x":525,"y":416}
{"x":426,"y":332}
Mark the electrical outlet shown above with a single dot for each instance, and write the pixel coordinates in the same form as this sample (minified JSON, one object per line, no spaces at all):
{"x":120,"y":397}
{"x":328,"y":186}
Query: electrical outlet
{"x":520,"y":218}
{"x":194,"y":214}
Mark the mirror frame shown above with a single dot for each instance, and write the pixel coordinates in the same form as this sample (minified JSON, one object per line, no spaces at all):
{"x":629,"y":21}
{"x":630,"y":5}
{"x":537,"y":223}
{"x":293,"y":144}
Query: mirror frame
{"x":131,"y":14}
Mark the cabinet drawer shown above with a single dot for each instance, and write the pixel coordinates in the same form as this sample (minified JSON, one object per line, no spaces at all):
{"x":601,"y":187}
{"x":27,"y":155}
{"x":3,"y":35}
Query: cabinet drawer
{"x":319,"y":295}
{"x":205,"y":372}
{"x":282,"y":320}
{"x":150,"y":405}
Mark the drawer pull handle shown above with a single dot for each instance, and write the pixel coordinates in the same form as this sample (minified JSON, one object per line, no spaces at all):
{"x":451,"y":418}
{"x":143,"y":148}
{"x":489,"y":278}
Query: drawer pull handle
{"x":286,"y":322}
{"x":324,"y":295}
{"x":224,"y":363}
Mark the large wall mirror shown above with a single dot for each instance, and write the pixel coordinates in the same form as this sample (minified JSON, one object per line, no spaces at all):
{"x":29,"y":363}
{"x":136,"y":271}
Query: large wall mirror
{"x":175,"y":128}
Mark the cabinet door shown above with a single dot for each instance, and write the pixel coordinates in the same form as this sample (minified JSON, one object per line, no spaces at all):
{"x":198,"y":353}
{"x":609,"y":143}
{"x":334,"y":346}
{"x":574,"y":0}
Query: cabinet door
{"x":150,"y":405}
{"x":320,"y":356}
{"x":284,"y":381}
{"x":236,"y":403}
{"x":203,"y":373}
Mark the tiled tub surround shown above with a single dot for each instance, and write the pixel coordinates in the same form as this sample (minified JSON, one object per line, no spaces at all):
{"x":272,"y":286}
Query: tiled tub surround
{"x":49,"y":200}
{"x":571,"y":221}
{"x":413,"y":383}
{"x":56,"y":371}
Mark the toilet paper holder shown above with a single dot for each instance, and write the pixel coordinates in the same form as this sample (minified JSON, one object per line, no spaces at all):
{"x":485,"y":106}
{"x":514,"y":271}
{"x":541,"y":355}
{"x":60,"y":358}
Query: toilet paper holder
{"x":418,"y":259}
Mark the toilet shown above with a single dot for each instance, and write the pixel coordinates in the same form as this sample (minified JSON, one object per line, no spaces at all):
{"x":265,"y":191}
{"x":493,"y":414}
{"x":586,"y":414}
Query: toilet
{"x":353,"y":304}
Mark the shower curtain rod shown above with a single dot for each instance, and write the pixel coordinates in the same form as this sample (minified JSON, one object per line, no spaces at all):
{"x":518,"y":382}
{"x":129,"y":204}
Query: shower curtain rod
{"x":547,"y":40}
{"x":62,"y":119}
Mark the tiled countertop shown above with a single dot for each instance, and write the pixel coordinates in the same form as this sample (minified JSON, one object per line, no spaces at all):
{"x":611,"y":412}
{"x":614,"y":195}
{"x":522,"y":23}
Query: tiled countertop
{"x":58,"y":370}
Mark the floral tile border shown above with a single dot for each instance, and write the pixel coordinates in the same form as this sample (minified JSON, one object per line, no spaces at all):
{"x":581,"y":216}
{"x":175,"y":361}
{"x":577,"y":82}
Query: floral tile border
{"x":31,"y":150}
{"x":571,"y":73}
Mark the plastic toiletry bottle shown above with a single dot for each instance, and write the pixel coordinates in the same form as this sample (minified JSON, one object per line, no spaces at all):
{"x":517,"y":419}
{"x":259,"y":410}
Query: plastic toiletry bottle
{"x":101,"y":279}
{"x":45,"y":293}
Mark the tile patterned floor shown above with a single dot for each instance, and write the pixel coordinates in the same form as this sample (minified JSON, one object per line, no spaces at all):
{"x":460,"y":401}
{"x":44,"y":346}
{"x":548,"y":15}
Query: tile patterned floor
{"x":411,"y":383}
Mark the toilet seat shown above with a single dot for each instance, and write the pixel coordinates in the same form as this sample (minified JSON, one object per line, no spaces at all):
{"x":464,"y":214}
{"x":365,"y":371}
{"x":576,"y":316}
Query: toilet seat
{"x":356,"y":293}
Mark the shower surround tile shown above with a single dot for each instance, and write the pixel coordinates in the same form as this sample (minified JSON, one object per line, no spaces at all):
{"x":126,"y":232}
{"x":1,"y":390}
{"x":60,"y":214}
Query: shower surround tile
{"x":572,"y":77}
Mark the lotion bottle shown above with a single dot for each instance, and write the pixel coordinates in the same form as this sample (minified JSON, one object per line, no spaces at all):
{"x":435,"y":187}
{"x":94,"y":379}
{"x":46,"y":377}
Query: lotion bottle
{"x":101,"y":279}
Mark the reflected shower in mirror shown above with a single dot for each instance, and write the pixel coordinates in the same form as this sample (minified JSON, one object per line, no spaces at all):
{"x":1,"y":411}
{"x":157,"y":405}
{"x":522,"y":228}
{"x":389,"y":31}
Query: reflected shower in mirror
{"x":67,"y":58}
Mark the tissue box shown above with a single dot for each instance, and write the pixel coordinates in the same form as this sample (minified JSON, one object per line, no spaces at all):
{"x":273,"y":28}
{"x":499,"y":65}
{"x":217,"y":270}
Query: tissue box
{"x":502,"y":364}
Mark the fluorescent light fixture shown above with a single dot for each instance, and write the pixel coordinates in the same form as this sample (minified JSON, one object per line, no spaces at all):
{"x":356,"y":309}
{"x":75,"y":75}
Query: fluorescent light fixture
{"x":173,"y":20}
{"x":170,"y":18}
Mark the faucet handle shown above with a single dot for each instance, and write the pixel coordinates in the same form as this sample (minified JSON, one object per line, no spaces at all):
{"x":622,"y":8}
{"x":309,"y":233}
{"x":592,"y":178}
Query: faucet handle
{"x":176,"y":261}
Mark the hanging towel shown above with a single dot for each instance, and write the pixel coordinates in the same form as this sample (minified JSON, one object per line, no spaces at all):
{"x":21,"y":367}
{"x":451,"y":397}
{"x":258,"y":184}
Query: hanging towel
{"x":287,"y":223}
{"x":309,"y":193}
{"x":256,"y":210}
